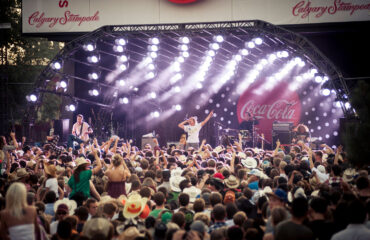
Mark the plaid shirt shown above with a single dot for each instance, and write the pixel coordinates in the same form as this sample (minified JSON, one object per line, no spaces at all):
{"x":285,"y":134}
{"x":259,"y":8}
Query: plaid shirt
{"x":53,"y":143}
{"x":333,"y":180}
{"x":216,"y":225}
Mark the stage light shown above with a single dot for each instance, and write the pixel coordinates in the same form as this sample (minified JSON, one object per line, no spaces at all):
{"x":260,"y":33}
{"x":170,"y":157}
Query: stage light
{"x":347,"y":105}
{"x":180,"y":59}
{"x":151,"y":66}
{"x":154,"y":40}
{"x":136,"y":89}
{"x":326,"y":124}
{"x":318,"y":79}
{"x":272,"y":57}
{"x":313,"y":71}
{"x":118,"y":48}
{"x":327,"y":135}
{"x":306,"y":75}
{"x":250,"y":44}
{"x":31,"y":98}
{"x":70,"y":108}
{"x":94,"y":92}
{"x":155,"y":114}
{"x":185,"y":54}
{"x":93,"y":58}
{"x":197,"y":107}
{"x":153,"y":48}
{"x":215,"y":46}
{"x":301,"y":64}
{"x":153,"y":95}
{"x":57,"y":65}
{"x":122,"y":82}
{"x":177,"y":89}
{"x":94,"y":75}
{"x":284,"y":54}
{"x":175,"y":78}
{"x":297,"y":60}
{"x":325,"y":78}
{"x":325,"y":92}
{"x":121,"y":41}
{"x":244,"y":52}
{"x":337,"y":104}
{"x":184,"y":47}
{"x":258,"y":41}
{"x":115,"y":93}
{"x":259,"y":66}
{"x":124,"y":100}
{"x":199,"y":85}
{"x":178,"y":107}
{"x":299,"y":78}
{"x":238,"y":57}
{"x":206,"y":111}
{"x":123,"y":58}
{"x":184,"y":40}
{"x":218,"y":38}
{"x":264,"y":61}
{"x":89,"y":47}
{"x":225,"y":109}
{"x":149,"y":75}
{"x":335,"y":133}
{"x":211,"y":53}
{"x":153,"y":55}
{"x":63,"y":84}
{"x":123,"y":67}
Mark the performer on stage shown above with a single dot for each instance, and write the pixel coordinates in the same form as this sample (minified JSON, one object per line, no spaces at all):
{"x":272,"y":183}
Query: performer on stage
{"x":193,"y":128}
{"x":80,"y":132}
{"x":248,"y":122}
{"x":300,"y":133}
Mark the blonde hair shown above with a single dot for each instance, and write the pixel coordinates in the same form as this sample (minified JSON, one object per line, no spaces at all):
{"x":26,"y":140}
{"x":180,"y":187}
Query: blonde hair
{"x":117,"y":160}
{"x":16,"y":199}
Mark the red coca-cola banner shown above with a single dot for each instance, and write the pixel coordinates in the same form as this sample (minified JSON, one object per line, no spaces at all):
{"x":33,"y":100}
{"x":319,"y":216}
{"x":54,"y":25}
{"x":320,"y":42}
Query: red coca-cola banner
{"x":279,"y":104}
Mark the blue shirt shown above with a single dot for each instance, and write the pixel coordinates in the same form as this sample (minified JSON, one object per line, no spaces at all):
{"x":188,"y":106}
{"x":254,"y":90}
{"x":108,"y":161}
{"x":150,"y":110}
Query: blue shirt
{"x":253,"y":185}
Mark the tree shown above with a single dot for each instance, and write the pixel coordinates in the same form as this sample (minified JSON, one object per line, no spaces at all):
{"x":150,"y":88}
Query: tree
{"x":357,"y":133}
{"x":25,"y":59}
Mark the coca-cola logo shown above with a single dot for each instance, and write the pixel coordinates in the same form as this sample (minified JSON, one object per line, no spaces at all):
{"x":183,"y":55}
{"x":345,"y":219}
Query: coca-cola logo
{"x":306,"y":8}
{"x":279,"y":104}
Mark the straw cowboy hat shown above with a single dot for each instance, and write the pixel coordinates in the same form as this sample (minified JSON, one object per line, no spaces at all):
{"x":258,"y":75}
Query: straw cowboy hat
{"x":96,"y":226}
{"x":72,"y":205}
{"x":249,"y":162}
{"x":21,"y":173}
{"x":193,"y":192}
{"x":79,"y":161}
{"x":50,"y":169}
{"x":232,"y":182}
{"x":175,"y":183}
{"x":134,"y":205}
{"x":131,"y":233}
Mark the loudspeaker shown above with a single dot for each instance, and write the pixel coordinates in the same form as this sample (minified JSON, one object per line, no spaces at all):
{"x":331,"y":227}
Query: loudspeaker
{"x":284,"y":138}
{"x":61,"y":128}
{"x":147,"y":140}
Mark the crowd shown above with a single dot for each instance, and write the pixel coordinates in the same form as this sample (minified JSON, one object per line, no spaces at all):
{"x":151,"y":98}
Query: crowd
{"x":112,"y":190}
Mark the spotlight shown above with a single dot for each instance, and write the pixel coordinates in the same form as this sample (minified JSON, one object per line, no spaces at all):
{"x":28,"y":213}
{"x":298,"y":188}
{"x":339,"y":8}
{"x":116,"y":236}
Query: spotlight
{"x":264,"y":61}
{"x":124,"y":100}
{"x":57,"y":65}
{"x":153,"y":95}
{"x":63,"y":84}
{"x":347,"y":105}
{"x":94,"y":75}
{"x":258,"y":41}
{"x":184,"y":47}
{"x":153,"y":48}
{"x":284,"y":54}
{"x":259,"y":66}
{"x":297,"y":60}
{"x":153,"y":55}
{"x":215,"y":46}
{"x":175,"y":78}
{"x":155,"y":114}
{"x":318,"y":79}
{"x":121,"y":41}
{"x":272,"y":57}
{"x":211,"y":53}
{"x":89,"y":47}
{"x":325,"y":92}
{"x":325,"y":78}
{"x":93,"y":58}
{"x":154,"y":40}
{"x":122,"y":82}
{"x":238,"y":57}
{"x":115,"y":93}
{"x":136,"y":89}
{"x":149,"y":75}
{"x":177,"y":89}
{"x":250,"y":45}
{"x":184,"y":40}
{"x":118,"y":48}
{"x":31,"y":98}
{"x":70,"y":108}
{"x":180,"y":59}
{"x":178,"y":107}
{"x":337,"y":104}
{"x":301,"y":64}
{"x":218,"y":38}
{"x":243,"y":52}
{"x":185,"y":54}
{"x":313,"y":71}
{"x":299,"y":78}
{"x":94,"y":92}
{"x":123,"y":67}
{"x":199,"y":85}
{"x":151,"y":66}
{"x":123,"y":58}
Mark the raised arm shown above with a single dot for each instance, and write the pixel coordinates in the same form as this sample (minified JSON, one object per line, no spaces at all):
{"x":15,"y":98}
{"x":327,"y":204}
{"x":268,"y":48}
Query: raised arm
{"x":98,"y":161}
{"x":310,"y":158}
{"x":207,"y":118}
{"x":15,"y":143}
{"x":182,"y":124}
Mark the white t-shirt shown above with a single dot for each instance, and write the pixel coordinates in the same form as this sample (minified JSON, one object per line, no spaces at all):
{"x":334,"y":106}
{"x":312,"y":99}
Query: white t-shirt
{"x":54,"y":227}
{"x":193,"y":132}
{"x":77,"y":128}
{"x":52,"y":184}
{"x":321,"y":176}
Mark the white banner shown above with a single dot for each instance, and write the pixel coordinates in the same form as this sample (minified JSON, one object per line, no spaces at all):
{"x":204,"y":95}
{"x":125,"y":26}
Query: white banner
{"x":49,"y":16}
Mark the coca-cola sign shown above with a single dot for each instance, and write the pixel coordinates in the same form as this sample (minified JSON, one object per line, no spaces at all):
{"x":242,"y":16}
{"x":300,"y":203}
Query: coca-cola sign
{"x":279,"y":104}
{"x":306,"y":8}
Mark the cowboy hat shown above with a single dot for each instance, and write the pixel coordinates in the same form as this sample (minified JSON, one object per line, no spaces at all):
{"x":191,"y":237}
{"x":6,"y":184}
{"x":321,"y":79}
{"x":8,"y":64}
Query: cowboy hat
{"x":249,"y":162}
{"x":349,"y":174}
{"x":175,"y":183}
{"x":232,"y":182}
{"x":134,"y":205}
{"x":96,"y":226}
{"x":193,"y":192}
{"x":131,"y":233}
{"x":21,"y":173}
{"x":72,"y":205}
{"x":50,"y":169}
{"x":81,"y":160}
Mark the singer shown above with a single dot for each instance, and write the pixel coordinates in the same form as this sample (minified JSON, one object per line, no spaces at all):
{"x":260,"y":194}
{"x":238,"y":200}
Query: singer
{"x":192,"y":129}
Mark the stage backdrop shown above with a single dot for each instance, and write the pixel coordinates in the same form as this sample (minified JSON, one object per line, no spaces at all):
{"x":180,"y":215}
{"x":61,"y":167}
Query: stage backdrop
{"x":50,"y":16}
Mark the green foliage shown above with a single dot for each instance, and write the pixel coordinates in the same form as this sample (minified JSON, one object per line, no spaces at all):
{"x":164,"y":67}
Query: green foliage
{"x":27,"y":56}
{"x":357,"y":133}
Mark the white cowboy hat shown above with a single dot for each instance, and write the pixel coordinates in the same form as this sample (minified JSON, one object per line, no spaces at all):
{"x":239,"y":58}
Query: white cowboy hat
{"x":249,"y":162}
{"x":193,"y":192}
{"x":72,"y":205}
{"x":134,"y":205}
